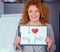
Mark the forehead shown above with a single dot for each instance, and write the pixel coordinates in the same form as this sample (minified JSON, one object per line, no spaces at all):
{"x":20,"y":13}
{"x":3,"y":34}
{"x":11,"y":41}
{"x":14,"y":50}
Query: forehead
{"x":33,"y":7}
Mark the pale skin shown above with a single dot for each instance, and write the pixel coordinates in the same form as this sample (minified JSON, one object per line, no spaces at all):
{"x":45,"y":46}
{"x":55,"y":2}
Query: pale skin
{"x":34,"y":15}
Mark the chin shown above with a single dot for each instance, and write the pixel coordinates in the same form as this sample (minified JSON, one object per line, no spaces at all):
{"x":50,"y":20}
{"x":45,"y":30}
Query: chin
{"x":34,"y":20}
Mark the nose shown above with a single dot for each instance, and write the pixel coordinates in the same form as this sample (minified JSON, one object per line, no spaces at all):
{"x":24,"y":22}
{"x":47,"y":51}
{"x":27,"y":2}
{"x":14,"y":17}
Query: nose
{"x":33,"y":13}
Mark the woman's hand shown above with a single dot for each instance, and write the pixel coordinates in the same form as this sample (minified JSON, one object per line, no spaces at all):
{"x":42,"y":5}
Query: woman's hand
{"x":17,"y":42}
{"x":49,"y":43}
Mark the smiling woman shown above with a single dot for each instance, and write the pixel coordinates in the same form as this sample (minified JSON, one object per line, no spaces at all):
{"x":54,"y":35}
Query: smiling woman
{"x":35,"y":13}
{"x":40,"y":9}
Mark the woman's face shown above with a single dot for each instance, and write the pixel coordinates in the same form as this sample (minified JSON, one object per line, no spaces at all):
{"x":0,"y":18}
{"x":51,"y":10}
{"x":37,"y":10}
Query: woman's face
{"x":33,"y":13}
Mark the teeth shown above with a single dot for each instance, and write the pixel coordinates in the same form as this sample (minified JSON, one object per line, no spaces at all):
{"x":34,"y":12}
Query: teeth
{"x":34,"y":17}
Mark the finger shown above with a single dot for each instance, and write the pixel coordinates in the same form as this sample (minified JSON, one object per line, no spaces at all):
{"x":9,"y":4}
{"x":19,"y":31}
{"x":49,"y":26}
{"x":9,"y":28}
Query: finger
{"x":48,"y":40}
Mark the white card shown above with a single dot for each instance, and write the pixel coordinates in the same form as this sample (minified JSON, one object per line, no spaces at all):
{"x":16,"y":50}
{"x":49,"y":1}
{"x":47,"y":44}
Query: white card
{"x":33,"y":35}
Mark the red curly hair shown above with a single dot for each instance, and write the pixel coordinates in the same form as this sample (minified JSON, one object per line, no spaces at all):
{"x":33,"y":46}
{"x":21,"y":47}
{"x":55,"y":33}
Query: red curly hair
{"x":42,"y":8}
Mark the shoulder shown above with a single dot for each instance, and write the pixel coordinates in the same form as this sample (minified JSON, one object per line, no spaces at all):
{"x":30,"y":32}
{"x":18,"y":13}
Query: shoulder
{"x":23,"y":24}
{"x":49,"y":26}
{"x":50,"y":29}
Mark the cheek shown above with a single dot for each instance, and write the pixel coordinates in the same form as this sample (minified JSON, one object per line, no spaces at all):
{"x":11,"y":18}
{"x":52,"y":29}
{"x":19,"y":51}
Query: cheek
{"x":38,"y":15}
{"x":30,"y":15}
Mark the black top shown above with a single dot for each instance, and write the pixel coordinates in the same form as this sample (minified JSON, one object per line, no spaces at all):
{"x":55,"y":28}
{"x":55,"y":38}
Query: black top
{"x":19,"y":34}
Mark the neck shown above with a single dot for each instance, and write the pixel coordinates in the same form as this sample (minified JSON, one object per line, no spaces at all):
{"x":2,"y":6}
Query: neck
{"x":34,"y":23}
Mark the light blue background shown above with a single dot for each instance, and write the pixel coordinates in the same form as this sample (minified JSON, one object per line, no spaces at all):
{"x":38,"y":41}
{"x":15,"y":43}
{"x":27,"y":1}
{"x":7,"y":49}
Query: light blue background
{"x":8,"y":27}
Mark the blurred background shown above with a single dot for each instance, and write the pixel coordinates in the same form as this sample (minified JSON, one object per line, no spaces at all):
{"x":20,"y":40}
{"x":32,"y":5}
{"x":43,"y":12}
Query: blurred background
{"x":15,"y":6}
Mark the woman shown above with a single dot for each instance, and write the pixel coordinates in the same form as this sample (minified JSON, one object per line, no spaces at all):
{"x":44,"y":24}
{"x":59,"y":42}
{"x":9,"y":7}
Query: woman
{"x":36,"y":13}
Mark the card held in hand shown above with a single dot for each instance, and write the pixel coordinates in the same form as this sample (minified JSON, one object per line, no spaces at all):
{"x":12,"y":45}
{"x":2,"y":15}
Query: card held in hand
{"x":33,"y":35}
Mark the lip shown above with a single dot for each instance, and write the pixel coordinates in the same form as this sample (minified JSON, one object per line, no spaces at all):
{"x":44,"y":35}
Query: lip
{"x":34,"y":17}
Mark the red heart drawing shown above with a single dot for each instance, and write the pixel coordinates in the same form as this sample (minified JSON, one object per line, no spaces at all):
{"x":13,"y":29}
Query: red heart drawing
{"x":35,"y":30}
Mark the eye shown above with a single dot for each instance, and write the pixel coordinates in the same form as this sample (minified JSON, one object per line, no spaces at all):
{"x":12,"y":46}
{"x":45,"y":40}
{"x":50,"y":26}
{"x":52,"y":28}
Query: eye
{"x":37,"y":11}
{"x":30,"y":11}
